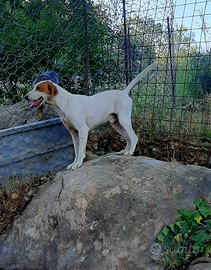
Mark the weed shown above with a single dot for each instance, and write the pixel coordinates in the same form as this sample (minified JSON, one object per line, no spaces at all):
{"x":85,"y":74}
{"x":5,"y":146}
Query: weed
{"x":12,"y":182}
{"x":15,"y":181}
{"x":188,"y":238}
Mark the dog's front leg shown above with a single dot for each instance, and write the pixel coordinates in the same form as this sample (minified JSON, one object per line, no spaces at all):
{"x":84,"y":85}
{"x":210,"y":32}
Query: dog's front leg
{"x":75,"y":138}
{"x":82,"y":137}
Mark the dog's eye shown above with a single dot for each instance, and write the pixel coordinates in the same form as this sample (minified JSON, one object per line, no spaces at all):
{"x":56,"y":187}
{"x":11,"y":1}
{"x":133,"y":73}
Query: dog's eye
{"x":37,"y":88}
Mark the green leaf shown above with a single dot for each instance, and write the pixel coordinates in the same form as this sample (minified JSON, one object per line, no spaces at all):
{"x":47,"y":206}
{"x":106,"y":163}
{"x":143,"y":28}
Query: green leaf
{"x":174,"y":228}
{"x":199,"y":238}
{"x":205,"y":211}
{"x":197,"y":217}
{"x":169,"y":237}
{"x":207,"y":249}
{"x":179,"y":219}
{"x":185,"y":214}
{"x":184,"y":229}
{"x":193,"y":225}
{"x":181,"y":211}
{"x":203,"y":203}
{"x":165,"y":231}
{"x":161,"y":238}
{"x":179,"y":223}
{"x":208,"y":225}
{"x":196,"y":248}
{"x":197,"y":202}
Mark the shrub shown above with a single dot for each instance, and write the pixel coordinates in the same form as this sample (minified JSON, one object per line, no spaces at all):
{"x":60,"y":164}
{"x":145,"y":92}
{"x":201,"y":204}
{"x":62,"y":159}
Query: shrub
{"x":188,"y":238}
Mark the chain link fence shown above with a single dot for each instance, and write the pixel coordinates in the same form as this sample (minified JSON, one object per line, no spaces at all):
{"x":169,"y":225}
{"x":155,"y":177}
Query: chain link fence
{"x":99,"y":45}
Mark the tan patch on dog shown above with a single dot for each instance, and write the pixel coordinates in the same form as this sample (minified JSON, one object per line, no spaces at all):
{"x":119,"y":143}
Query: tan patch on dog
{"x":47,"y":88}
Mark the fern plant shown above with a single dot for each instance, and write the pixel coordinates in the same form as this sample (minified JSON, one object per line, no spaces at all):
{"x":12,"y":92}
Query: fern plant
{"x":188,"y":238}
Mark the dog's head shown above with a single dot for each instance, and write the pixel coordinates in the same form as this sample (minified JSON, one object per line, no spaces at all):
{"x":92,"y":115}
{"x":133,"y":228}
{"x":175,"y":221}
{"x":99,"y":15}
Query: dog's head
{"x":43,"y":92}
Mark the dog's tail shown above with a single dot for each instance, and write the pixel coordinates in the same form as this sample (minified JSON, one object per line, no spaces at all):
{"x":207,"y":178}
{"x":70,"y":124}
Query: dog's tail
{"x":139,"y":77}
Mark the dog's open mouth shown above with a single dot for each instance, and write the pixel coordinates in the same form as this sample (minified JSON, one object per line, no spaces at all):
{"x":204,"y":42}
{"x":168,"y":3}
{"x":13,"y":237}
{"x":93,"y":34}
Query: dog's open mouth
{"x":36,"y":103}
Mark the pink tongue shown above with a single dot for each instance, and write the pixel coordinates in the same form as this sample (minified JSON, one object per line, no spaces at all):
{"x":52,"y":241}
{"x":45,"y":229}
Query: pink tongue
{"x":35,"y":104}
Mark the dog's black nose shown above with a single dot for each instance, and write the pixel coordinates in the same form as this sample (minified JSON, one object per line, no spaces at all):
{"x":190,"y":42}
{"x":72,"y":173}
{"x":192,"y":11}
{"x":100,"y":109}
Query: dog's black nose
{"x":26,"y":97}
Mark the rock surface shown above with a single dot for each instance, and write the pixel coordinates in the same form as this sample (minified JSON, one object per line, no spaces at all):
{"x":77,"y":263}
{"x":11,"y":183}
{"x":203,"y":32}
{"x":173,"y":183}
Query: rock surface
{"x":105,"y":215}
{"x":201,"y":266}
{"x":19,"y":114}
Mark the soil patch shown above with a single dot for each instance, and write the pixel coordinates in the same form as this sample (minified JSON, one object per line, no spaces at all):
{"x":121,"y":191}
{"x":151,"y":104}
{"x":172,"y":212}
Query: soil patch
{"x":14,"y":201}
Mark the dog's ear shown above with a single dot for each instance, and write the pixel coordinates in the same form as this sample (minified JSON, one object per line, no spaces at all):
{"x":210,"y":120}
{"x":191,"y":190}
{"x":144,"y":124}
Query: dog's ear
{"x":53,"y":90}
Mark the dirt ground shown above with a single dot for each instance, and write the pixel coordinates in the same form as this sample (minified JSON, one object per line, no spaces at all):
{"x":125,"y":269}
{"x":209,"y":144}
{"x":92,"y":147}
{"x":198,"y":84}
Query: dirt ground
{"x":13,"y":202}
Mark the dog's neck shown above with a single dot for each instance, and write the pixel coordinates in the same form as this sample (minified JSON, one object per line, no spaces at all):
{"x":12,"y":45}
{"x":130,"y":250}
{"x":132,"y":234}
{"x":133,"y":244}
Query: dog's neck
{"x":57,"y":103}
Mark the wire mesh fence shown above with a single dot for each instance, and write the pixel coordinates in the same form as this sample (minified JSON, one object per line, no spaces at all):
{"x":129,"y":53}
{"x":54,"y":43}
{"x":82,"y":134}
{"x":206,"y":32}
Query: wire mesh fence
{"x":99,"y":45}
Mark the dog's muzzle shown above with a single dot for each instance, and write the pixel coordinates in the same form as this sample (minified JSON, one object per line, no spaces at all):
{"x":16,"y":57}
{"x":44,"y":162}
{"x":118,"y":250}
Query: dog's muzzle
{"x":36,"y":102}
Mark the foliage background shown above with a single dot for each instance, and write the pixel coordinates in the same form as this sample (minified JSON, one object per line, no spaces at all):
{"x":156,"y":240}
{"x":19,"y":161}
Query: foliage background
{"x":123,"y":38}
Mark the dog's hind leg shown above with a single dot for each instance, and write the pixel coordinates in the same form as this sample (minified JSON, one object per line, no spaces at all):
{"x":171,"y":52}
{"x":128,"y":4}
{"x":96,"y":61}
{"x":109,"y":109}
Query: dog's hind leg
{"x":134,"y":140}
{"x":121,"y":131}
{"x":126,"y":128}
{"x":116,"y":125}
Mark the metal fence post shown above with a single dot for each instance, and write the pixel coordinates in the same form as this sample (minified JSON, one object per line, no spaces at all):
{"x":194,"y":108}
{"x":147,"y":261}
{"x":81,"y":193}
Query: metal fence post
{"x":125,"y":42}
{"x":172,"y":65}
{"x":87,"y":49}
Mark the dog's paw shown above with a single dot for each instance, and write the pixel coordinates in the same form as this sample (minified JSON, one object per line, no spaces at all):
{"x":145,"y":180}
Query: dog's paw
{"x":122,"y":152}
{"x":128,"y":153}
{"x":73,"y":166}
{"x":69,"y":167}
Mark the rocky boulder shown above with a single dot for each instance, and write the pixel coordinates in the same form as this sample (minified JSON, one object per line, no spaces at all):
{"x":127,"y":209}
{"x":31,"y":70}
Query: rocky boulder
{"x":201,"y":266}
{"x":105,"y":215}
{"x":19,"y":114}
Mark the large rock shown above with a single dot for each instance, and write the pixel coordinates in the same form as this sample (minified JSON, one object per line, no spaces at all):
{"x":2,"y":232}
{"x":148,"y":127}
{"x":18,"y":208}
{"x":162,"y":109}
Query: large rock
{"x":105,"y":215}
{"x":201,"y":266}
{"x":19,"y":114}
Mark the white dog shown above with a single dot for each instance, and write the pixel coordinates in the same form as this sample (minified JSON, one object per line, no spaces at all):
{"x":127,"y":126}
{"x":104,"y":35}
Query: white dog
{"x":80,"y":113}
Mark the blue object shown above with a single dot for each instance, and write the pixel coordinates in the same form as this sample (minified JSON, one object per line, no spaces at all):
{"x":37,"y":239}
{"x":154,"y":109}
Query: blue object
{"x":47,"y":76}
{"x":35,"y":149}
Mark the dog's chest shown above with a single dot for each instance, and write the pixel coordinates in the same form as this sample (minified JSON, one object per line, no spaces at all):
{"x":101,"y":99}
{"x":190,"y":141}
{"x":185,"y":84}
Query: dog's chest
{"x":68,"y":124}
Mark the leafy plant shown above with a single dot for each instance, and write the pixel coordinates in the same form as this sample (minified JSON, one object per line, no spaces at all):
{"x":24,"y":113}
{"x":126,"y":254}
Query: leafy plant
{"x":188,"y":238}
{"x":12,"y":183}
{"x":15,"y":181}
{"x":41,"y":35}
